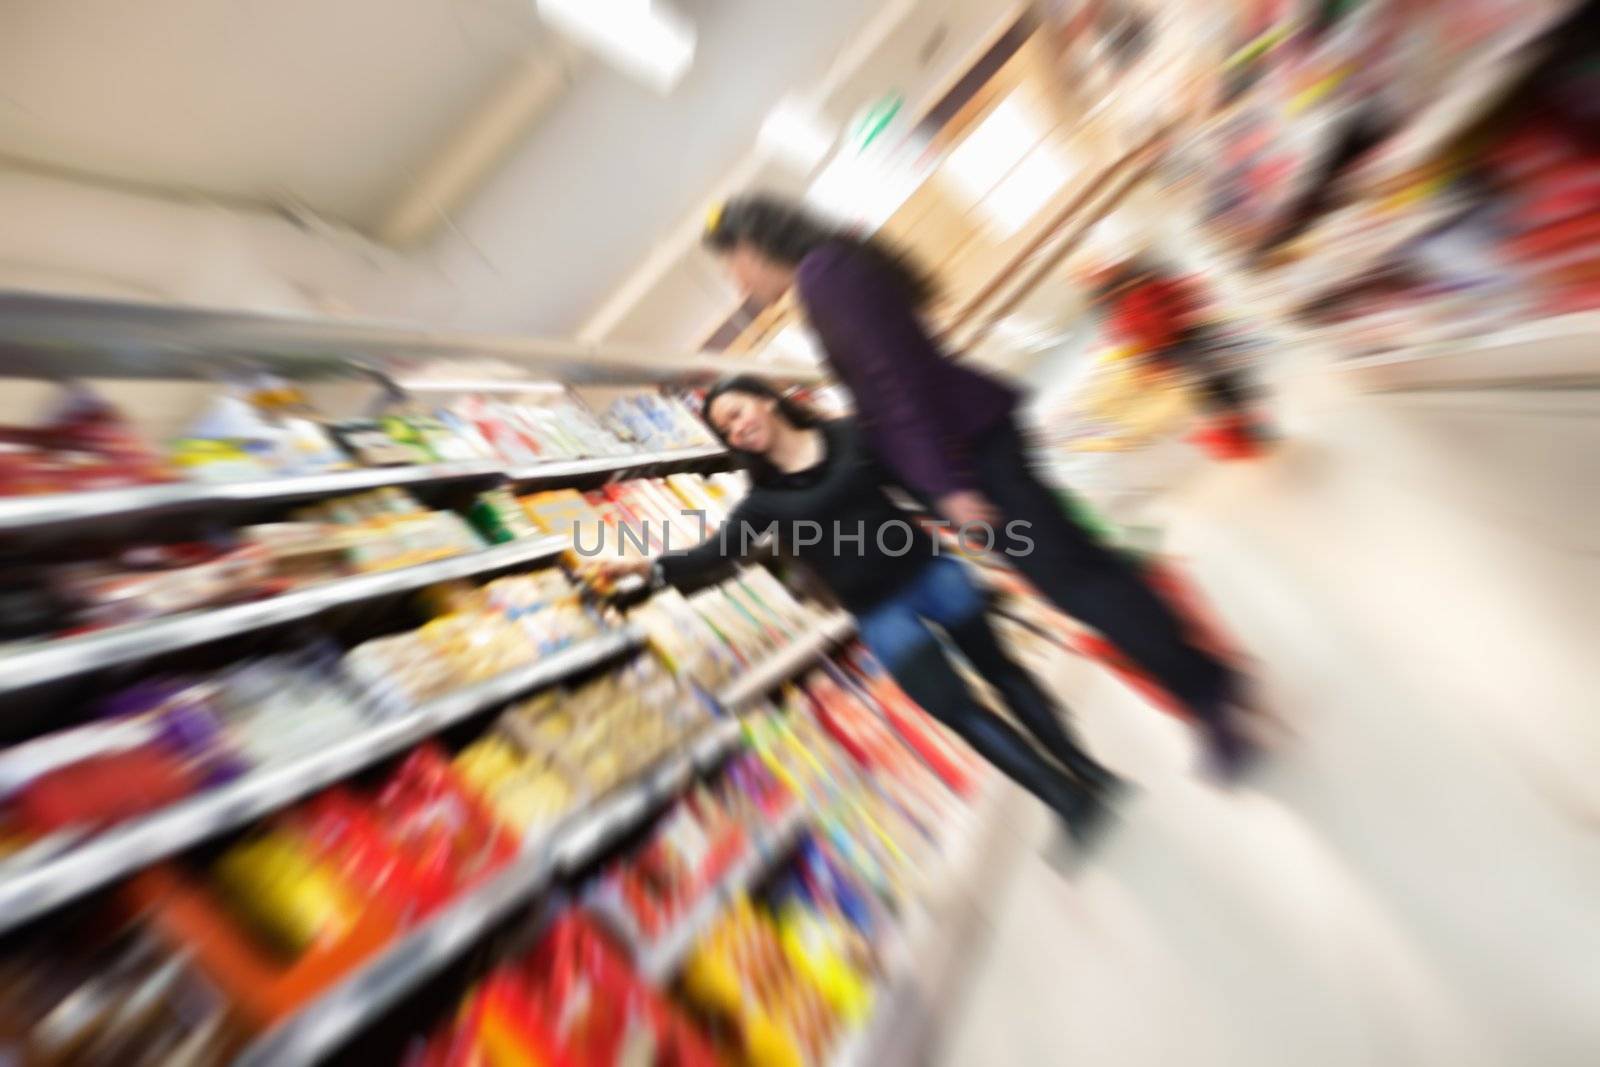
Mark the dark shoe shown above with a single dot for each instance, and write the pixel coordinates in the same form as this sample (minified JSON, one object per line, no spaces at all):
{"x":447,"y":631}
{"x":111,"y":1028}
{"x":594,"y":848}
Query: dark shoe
{"x":1091,"y":772}
{"x":1087,"y":819}
{"x":1229,"y":751}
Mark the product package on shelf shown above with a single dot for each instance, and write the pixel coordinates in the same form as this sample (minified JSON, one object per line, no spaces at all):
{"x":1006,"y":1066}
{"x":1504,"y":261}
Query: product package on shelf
{"x":573,"y":1002}
{"x":164,"y":739}
{"x":384,"y":529}
{"x":658,"y":422}
{"x":774,"y":1010}
{"x":545,"y":756}
{"x":288,"y":910}
{"x":258,"y":429}
{"x":706,"y":834}
{"x":478,"y":634}
{"x":101,"y":995}
{"x":85,"y":443}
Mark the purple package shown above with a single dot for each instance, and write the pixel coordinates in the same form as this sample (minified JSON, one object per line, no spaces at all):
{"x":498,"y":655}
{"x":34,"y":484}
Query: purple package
{"x":188,"y":725}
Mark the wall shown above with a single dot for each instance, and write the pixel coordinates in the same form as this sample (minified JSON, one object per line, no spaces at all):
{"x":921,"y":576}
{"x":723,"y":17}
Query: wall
{"x":66,"y":235}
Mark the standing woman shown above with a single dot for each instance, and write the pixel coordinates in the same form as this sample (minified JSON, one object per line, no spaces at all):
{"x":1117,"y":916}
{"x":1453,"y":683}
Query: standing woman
{"x":948,"y":433}
{"x":821,"y":495}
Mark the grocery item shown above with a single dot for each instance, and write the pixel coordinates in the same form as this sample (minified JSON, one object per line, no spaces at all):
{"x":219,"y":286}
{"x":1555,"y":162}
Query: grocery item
{"x":276,"y":885}
{"x":574,"y":1001}
{"x":499,"y":518}
{"x":742,"y":975}
{"x":83,"y":444}
{"x":92,"y":998}
{"x":149,"y":581}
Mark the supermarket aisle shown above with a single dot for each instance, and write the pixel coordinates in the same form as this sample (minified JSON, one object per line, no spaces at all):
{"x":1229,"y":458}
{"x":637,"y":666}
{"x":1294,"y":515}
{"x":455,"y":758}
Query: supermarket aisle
{"x":1413,"y":882}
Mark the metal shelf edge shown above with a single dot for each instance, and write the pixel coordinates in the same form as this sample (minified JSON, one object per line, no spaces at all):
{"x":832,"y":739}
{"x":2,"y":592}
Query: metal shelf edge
{"x":121,"y":851}
{"x":64,"y":657}
{"x":333,"y":1018}
{"x":781,"y":667}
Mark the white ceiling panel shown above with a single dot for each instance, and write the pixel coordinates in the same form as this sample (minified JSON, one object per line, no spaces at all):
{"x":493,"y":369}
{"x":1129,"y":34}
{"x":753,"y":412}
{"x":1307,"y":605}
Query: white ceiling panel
{"x":334,"y":103}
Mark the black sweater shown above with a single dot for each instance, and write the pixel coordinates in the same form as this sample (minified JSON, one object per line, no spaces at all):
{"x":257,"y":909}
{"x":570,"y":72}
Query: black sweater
{"x":819,"y":513}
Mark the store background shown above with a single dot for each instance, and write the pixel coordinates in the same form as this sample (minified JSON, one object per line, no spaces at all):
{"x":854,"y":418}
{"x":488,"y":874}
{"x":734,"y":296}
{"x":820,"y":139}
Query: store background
{"x":1413,"y":570}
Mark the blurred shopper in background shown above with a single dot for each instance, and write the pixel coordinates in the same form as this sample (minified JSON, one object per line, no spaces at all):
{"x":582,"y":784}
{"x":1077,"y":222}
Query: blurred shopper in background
{"x":809,"y":476}
{"x":948,"y":433}
{"x":1164,"y":318}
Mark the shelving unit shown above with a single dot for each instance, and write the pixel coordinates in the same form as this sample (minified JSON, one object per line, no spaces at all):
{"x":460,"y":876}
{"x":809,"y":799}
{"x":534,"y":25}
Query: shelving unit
{"x":56,"y":510}
{"x":796,"y":657}
{"x":65,"y":657}
{"x":1559,"y":351}
{"x":52,"y":337}
{"x":333,"y":1018}
{"x":118,"y":852}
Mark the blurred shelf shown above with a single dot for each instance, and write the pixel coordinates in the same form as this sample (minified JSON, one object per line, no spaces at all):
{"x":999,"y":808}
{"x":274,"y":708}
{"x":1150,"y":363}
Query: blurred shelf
{"x":48,"y":336}
{"x":1336,"y":262}
{"x":570,"y":468}
{"x":660,"y":961}
{"x":20,"y":514}
{"x":339,"y":1014}
{"x":762,"y":679}
{"x":48,"y":661}
{"x":1470,"y":93}
{"x":1560,"y":351}
{"x":125,"y":849}
{"x":332,"y":1019}
{"x":931,"y":947}
{"x":60,"y":509}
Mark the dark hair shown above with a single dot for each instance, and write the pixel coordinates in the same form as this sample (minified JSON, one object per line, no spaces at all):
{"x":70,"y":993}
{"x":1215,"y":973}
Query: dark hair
{"x":788,"y":408}
{"x":784,"y":231}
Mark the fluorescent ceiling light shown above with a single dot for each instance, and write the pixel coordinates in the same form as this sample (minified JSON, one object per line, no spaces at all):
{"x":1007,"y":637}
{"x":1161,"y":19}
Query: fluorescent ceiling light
{"x":646,"y":39}
{"x":989,"y":152}
{"x":794,"y":131}
{"x":1024,"y":192}
{"x":1006,"y":168}
{"x":796,"y":343}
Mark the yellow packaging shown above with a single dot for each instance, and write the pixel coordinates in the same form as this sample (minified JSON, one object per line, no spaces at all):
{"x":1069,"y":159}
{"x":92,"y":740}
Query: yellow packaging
{"x":287,"y":896}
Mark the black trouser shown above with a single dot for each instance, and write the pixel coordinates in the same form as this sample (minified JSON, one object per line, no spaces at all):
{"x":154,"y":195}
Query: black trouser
{"x":1090,"y":582}
{"x":925,"y":672}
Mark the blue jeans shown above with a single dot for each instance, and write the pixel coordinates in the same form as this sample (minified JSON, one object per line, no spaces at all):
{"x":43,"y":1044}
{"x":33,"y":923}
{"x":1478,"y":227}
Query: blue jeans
{"x":943,"y":594}
{"x":900,"y":634}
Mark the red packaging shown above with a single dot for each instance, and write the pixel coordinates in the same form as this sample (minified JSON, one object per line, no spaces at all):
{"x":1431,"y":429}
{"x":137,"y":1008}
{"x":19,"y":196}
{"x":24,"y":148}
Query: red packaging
{"x":102,"y":790}
{"x":1554,"y":238}
{"x":955,"y":767}
{"x":429,"y":815}
{"x":342,"y":831}
{"x":592,"y":999}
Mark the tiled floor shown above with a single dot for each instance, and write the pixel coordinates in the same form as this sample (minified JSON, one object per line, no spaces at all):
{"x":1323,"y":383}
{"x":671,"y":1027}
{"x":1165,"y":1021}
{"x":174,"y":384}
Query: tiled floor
{"x":1414,"y":880}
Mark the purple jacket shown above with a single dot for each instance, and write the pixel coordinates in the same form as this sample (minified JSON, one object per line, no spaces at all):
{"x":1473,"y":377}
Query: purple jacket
{"x":920,"y":410}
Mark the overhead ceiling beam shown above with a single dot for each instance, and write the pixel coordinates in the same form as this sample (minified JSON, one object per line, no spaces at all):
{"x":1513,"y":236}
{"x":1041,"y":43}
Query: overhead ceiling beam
{"x":480,"y":145}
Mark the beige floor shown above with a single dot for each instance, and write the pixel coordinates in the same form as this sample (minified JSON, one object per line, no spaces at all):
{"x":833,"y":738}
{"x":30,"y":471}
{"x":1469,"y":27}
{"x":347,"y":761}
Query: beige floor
{"x":1415,"y":879}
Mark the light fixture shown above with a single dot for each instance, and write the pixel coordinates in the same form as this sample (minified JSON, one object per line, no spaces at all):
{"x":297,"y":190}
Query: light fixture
{"x":646,"y":39}
{"x":795,"y":132}
{"x":479,"y":385}
{"x":1006,"y":167}
{"x":795,"y":343}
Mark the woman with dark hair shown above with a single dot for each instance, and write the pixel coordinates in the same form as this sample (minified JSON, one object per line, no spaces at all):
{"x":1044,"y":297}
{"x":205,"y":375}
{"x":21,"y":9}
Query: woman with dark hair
{"x":818,"y":493}
{"x":948,"y":433}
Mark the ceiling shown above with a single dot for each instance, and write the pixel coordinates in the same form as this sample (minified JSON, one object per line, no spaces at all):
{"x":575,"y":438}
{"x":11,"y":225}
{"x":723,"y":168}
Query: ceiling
{"x":334,"y":106}
{"x":613,"y":168}
{"x":436,"y":125}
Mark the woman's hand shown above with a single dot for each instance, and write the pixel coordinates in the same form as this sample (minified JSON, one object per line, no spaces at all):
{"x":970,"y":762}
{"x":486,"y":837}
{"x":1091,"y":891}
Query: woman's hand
{"x":968,"y":507}
{"x":617,"y":569}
